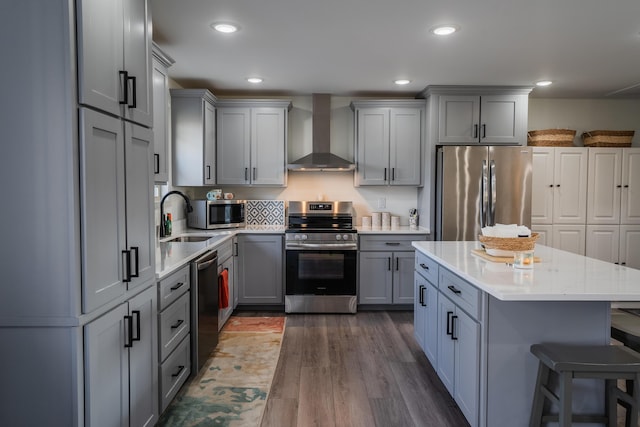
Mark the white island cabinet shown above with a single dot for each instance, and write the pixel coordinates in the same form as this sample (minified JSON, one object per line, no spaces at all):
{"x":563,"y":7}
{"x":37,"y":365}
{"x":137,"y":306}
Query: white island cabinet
{"x":489,"y":314}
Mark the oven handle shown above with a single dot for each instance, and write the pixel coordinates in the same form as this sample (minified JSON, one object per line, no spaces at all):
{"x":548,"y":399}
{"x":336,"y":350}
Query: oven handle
{"x":321,"y":246}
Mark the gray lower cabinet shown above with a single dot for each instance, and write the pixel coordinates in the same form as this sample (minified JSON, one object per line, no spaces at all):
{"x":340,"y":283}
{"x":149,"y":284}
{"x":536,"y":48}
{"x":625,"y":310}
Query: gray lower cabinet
{"x":426,"y":317}
{"x":226,"y":262}
{"x":174,"y":354}
{"x":386,"y":264}
{"x":121,"y":356}
{"x":260,"y":269}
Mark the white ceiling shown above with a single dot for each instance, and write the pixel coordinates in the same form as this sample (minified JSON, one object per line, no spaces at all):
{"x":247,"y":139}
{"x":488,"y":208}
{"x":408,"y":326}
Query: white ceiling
{"x":588,"y":48}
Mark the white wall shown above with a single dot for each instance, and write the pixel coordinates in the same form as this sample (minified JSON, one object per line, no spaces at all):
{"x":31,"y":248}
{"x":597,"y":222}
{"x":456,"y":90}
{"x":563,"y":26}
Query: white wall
{"x":584,"y":115}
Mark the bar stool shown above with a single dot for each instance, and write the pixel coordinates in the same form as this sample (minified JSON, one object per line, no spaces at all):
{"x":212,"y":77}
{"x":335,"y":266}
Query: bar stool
{"x":607,"y":362}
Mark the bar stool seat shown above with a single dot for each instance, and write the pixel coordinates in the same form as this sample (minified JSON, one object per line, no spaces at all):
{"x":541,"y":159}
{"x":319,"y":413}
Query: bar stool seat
{"x":607,"y":362}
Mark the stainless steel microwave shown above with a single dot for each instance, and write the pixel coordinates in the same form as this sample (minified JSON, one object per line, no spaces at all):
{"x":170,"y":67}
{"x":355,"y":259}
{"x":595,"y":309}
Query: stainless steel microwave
{"x":212,"y":214}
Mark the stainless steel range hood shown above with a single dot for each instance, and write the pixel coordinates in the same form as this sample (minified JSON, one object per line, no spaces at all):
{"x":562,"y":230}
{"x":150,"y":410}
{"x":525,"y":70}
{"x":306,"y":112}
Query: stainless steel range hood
{"x":321,"y":159}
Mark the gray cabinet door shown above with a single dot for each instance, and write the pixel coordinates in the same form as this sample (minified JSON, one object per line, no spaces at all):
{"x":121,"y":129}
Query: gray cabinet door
{"x":161,"y":132}
{"x":376,"y":278}
{"x":372,"y":146}
{"x":234,"y":143}
{"x":143,"y":360}
{"x":467,"y":365}
{"x":458,"y":119}
{"x":405,"y":142}
{"x":431,"y":328}
{"x":260,"y":269}
{"x":446,"y":345}
{"x":268,"y":129}
{"x":103,"y":227}
{"x":209,"y":164}
{"x":501,"y":119}
{"x":403,"y":263}
{"x":419,"y":310}
{"x":140,"y":206}
{"x":106,"y":363}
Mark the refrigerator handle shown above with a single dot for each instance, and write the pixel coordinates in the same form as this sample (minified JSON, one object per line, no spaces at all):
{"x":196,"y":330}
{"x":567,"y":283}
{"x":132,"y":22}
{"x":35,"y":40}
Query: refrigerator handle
{"x":485,"y":195}
{"x":492,"y":202}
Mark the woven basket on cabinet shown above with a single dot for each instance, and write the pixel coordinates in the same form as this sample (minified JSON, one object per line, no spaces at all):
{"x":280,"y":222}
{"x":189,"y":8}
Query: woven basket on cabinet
{"x":608,"y":138}
{"x":551,"y":137}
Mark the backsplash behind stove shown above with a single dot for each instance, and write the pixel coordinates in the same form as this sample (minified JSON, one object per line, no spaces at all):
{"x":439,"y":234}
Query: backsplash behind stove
{"x":265,"y":212}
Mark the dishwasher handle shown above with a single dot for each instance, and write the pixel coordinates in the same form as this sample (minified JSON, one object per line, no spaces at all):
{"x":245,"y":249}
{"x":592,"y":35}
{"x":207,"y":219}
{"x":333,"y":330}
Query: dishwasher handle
{"x":206,"y":260}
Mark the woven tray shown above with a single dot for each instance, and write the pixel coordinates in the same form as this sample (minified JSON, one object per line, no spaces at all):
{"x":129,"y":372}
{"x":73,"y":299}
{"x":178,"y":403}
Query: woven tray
{"x":551,"y":137}
{"x":608,"y":138}
{"x":509,"y":243}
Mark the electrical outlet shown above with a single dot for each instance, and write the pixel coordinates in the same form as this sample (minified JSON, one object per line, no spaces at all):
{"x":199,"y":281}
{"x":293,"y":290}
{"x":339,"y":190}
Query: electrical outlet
{"x":382,"y":203}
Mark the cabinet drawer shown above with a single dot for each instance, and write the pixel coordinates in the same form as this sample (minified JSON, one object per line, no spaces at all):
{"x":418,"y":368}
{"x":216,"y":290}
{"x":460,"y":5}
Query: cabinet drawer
{"x":427,"y":267}
{"x":225,"y":251}
{"x":463,"y":294}
{"x":172,"y":287}
{"x":389,"y":242}
{"x":174,"y":372}
{"x":174,"y":325}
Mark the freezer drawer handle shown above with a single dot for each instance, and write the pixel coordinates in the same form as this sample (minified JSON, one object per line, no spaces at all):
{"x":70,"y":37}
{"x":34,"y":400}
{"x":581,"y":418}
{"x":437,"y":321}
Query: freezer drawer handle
{"x":454,"y":289}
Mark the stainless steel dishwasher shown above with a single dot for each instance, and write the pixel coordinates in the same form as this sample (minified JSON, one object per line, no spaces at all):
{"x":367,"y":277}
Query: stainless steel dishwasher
{"x":204,"y":309}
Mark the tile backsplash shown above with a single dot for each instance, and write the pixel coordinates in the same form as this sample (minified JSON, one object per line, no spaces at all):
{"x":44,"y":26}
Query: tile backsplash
{"x":265,"y":212}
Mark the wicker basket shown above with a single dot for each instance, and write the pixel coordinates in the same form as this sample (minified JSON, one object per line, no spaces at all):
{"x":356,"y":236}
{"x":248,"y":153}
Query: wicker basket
{"x":509,"y":243}
{"x":608,"y":138}
{"x":551,"y":137}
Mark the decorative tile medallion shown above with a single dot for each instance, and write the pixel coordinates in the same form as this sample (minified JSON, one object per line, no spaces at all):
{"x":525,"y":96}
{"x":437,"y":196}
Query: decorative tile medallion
{"x":265,"y":212}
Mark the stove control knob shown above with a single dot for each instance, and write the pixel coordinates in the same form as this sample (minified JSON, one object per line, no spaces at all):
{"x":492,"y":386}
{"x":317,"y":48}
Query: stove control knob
{"x":338,"y":237}
{"x":345,"y":237}
{"x":297,"y":237}
{"x":304,"y":237}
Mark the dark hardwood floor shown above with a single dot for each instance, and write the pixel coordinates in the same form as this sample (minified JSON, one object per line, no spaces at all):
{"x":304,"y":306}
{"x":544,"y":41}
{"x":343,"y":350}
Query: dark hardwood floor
{"x":356,"y":370}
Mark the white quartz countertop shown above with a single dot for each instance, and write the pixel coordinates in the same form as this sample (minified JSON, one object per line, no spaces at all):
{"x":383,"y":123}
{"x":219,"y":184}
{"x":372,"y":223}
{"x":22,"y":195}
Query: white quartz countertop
{"x":170,"y":256}
{"x":403,"y":229}
{"x":560,"y":276}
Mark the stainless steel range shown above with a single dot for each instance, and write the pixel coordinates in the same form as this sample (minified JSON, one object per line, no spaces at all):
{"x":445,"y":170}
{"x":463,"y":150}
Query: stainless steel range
{"x":321,"y":258}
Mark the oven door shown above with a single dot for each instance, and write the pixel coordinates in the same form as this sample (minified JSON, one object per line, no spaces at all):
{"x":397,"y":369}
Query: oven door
{"x":321,"y":272}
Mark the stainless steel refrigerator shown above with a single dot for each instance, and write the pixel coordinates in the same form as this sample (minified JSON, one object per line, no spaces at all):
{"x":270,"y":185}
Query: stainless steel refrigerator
{"x":478,"y":186}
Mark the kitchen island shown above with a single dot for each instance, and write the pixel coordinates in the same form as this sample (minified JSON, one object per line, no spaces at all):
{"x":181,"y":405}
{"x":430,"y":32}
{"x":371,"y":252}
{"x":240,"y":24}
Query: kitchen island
{"x":476,"y":319}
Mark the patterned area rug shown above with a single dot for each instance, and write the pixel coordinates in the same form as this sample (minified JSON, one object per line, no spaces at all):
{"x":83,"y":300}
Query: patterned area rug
{"x":234,"y":383}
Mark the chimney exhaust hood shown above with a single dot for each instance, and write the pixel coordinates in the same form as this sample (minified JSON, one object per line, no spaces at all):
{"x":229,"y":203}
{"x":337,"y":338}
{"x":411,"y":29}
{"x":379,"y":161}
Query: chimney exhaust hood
{"x":321,"y":158}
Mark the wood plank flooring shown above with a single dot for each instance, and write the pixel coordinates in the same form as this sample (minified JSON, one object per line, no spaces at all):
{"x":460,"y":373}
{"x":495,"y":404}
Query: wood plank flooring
{"x":356,"y":370}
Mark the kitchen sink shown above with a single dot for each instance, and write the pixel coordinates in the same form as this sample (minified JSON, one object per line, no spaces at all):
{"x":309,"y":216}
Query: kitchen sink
{"x":190,"y":239}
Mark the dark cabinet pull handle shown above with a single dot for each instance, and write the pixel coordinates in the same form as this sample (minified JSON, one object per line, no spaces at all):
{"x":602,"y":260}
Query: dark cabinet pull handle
{"x":125,"y":83}
{"x":135,"y":249}
{"x":128,"y":331}
{"x":454,"y":289}
{"x":422,"y":288}
{"x":177,"y":324}
{"x":235,"y":245}
{"x":484,"y":130}
{"x":254,"y":174}
{"x":246,"y":171}
{"x":126,"y":265}
{"x":180,"y":369}
{"x":557,"y":185}
{"x":618,"y":186}
{"x":453,"y":327}
{"x":156,"y":166}
{"x":177,"y":286}
{"x":133,"y":91}
{"x":393,"y":174}
{"x":626,"y":186}
{"x":385,"y":174}
{"x":392,"y":243}
{"x":551,"y":185}
{"x":397,"y":265}
{"x":475,"y":131}
{"x":424,"y":266}
{"x":623,"y":263}
{"x":389,"y":263}
{"x":449,"y":323}
{"x":208,"y":172}
{"x":136,"y":313}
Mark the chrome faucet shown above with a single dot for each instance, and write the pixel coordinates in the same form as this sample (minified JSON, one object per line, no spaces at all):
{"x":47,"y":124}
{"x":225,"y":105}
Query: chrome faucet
{"x":186,"y":199}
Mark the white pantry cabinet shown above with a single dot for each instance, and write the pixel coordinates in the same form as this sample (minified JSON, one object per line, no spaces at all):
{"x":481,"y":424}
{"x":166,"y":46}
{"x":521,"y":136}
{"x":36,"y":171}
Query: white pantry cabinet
{"x":114,"y":58}
{"x":252,"y":142}
{"x":193,"y":133}
{"x":389,"y":142}
{"x":161,"y":115}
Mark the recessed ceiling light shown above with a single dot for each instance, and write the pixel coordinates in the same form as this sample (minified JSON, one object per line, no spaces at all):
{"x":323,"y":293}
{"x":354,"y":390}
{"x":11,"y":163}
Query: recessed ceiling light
{"x":224,"y":27}
{"x":444,"y":30}
{"x":402,"y":81}
{"x":544,"y":83}
{"x":255,"y":80}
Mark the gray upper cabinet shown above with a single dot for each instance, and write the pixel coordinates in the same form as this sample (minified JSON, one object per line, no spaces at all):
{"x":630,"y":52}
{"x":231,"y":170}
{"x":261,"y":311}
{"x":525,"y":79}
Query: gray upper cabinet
{"x":389,"y":140}
{"x":252,"y":142}
{"x":161,"y":115}
{"x":479,"y":114}
{"x":193,"y":121}
{"x":114,"y":58}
